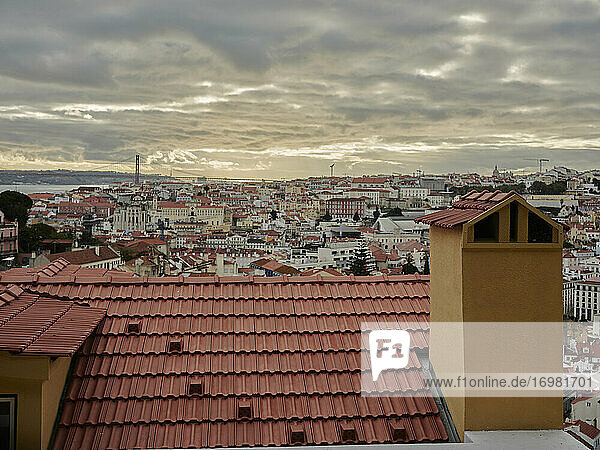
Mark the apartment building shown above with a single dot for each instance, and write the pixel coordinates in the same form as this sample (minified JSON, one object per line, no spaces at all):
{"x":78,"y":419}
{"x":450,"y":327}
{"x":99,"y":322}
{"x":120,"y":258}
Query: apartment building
{"x":9,"y":238}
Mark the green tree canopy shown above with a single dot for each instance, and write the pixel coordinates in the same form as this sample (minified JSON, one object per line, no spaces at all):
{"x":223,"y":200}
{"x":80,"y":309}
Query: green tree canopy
{"x":31,"y":237}
{"x":15,"y":205}
{"x":558,"y":187}
{"x":408,"y":267}
{"x":88,"y":239}
{"x":361,"y":264}
{"x":426,"y":268}
{"x":394,"y":212}
{"x":376,"y":214}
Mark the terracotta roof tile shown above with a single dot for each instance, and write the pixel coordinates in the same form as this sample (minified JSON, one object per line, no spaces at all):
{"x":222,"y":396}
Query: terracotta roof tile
{"x":468,"y":207}
{"x":287,"y":349}
{"x":86,"y":256}
{"x":35,"y":324}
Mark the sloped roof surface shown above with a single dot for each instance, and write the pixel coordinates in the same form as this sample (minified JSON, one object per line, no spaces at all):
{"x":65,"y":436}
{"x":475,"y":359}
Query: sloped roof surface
{"x":35,"y":324}
{"x":286,"y":350}
{"x":275,"y":266}
{"x":60,"y":271}
{"x":86,"y":256}
{"x":468,"y":207}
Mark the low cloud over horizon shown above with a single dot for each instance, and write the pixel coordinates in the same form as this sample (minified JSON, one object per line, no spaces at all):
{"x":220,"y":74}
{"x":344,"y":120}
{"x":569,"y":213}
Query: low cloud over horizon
{"x":282,"y":89}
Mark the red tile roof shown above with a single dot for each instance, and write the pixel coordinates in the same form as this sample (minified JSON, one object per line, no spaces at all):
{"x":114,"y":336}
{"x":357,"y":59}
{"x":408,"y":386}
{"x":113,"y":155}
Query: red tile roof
{"x":275,"y":266}
{"x":86,"y":256}
{"x":373,"y":180}
{"x":468,"y":207}
{"x":587,"y":429}
{"x":411,"y":245}
{"x":283,"y":350}
{"x":318,"y":271}
{"x":34,"y":324}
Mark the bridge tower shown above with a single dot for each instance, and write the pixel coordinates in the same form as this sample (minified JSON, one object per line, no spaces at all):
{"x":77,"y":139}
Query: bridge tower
{"x":137,"y":169}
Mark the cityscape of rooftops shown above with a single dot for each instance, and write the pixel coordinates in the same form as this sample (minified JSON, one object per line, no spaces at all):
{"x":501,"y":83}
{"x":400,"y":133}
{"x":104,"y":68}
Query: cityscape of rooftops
{"x":250,"y":224}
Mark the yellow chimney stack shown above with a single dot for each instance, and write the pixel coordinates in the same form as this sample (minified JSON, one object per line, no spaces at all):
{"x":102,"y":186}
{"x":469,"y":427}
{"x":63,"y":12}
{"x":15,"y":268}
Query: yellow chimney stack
{"x":496,"y":258}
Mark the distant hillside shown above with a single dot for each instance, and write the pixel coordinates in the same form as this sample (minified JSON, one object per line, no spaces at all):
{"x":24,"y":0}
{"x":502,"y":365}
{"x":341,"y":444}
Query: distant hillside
{"x":46,"y":177}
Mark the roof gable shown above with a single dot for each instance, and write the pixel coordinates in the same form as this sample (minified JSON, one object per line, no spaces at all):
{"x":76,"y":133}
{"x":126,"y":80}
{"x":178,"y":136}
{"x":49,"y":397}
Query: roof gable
{"x":38,"y":324}
{"x":476,"y":206}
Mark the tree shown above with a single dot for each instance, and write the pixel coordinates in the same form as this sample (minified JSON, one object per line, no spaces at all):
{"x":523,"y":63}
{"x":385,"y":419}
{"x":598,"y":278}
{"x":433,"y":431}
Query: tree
{"x":31,"y":237}
{"x":394,"y":212}
{"x":558,"y":187}
{"x":273,"y":214}
{"x":361,"y":263}
{"x":88,"y":239}
{"x":376,"y":213}
{"x":461,"y":190}
{"x":408,"y":267}
{"x":356,"y":217}
{"x":15,"y":205}
{"x":426,"y":267}
{"x":127,"y":254}
{"x":327,"y":217}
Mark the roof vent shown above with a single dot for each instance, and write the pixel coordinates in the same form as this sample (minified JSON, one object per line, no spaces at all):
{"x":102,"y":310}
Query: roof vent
{"x":244,"y":409}
{"x":398,"y":433}
{"x":196,"y":388}
{"x":297,"y":435}
{"x":133,"y":327}
{"x":348,"y":433}
{"x":175,"y":346}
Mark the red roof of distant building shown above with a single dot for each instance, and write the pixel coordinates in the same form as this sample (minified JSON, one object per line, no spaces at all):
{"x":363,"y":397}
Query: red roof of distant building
{"x":366,"y":230}
{"x":590,"y":431}
{"x":171,"y":204}
{"x":326,"y":272}
{"x":40,"y":196}
{"x":286,"y":348}
{"x":275,"y":266}
{"x":372,"y":180}
{"x":87,"y":255}
{"x":410,"y":246}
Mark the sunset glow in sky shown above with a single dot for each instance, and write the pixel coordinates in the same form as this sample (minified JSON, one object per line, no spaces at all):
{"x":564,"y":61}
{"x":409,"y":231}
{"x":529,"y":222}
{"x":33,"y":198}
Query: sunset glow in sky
{"x":283,"y":89}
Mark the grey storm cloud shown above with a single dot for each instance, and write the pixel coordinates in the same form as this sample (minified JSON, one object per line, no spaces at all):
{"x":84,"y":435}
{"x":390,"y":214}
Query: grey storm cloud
{"x":273,"y":88}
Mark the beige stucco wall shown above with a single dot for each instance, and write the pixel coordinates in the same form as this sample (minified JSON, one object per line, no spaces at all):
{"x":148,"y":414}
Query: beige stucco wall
{"x":38,"y":383}
{"x":446,"y":306}
{"x":52,"y":390}
{"x":514,"y":285}
{"x":505,"y":282}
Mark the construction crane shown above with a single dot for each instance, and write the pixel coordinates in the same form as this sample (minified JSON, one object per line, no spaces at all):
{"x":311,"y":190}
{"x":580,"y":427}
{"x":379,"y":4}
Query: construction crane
{"x":541,"y":161}
{"x":331,"y":171}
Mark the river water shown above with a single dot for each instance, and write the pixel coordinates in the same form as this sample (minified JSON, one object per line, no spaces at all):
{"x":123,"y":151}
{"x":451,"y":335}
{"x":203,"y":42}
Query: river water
{"x":39,"y":188}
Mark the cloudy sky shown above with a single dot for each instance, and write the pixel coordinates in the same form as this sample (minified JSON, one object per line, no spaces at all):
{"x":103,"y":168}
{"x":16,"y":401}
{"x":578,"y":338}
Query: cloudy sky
{"x":274,"y":89}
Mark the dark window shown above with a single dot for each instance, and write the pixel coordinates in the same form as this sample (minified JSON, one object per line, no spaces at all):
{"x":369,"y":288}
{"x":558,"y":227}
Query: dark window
{"x":196,"y":388}
{"x":244,"y":410}
{"x":539,"y":230}
{"x":133,"y":327}
{"x":486,"y":230}
{"x":298,"y":436}
{"x":514,"y":221}
{"x":398,"y":433}
{"x":175,"y":346}
{"x":349,"y":434}
{"x":8,"y":422}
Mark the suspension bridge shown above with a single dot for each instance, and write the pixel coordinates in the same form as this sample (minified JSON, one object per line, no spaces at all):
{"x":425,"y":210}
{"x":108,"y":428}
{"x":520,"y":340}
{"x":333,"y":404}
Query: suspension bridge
{"x":137,"y":168}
